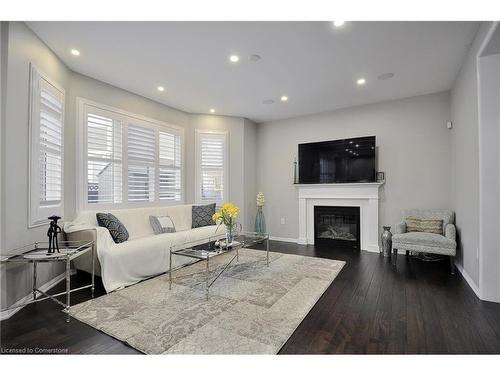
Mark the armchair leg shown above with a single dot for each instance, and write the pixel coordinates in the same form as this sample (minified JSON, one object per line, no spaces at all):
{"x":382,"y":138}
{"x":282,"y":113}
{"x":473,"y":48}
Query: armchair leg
{"x":394,"y":256}
{"x":452,"y":265}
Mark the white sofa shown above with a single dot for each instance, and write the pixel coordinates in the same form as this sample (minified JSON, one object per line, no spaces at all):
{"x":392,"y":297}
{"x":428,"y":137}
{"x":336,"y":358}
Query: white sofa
{"x":144,"y":254}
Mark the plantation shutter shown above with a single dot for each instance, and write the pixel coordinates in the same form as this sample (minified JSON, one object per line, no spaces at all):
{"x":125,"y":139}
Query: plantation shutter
{"x":51,"y":144}
{"x":212,"y":149}
{"x":130,"y":161}
{"x":170,"y":166}
{"x":141,"y":153}
{"x":104,"y":159}
{"x":46,"y":156}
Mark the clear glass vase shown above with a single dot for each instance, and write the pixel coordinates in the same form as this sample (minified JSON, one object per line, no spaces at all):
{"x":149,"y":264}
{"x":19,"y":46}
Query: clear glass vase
{"x":260,"y":221}
{"x":232,"y":230}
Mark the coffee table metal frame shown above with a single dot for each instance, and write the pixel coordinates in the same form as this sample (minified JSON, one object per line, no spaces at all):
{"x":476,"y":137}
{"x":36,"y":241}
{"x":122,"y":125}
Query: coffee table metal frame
{"x":37,"y":253}
{"x":241,"y":241}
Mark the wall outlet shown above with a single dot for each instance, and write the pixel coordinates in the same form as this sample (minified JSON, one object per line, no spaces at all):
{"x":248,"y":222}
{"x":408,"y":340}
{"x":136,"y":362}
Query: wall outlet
{"x":282,"y":221}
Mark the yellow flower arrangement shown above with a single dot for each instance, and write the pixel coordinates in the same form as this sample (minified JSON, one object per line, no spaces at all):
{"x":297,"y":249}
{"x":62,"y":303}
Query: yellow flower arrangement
{"x":226,"y":214}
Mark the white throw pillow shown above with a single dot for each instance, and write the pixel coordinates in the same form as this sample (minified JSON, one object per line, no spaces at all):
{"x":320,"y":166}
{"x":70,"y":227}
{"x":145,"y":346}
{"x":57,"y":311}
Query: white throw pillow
{"x":162,"y":224}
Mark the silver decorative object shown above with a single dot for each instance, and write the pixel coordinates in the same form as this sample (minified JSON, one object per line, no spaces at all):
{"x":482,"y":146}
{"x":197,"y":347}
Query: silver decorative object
{"x":295,"y":171}
{"x":386,"y":241}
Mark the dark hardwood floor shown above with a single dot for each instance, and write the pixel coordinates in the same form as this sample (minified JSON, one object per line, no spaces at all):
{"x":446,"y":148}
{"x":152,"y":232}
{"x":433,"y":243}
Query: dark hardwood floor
{"x":371,"y":307}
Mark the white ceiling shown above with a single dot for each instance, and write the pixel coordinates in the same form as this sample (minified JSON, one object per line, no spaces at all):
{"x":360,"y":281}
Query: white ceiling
{"x":314,"y":63}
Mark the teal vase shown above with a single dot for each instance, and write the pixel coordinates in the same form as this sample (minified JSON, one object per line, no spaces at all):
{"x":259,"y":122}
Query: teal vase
{"x":260,"y":221}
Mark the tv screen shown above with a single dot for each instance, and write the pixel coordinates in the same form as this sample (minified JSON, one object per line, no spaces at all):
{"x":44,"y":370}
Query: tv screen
{"x":343,"y":160}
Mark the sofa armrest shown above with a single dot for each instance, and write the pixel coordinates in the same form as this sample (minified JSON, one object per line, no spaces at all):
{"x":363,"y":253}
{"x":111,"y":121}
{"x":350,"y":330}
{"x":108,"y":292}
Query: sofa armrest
{"x":450,"y":232}
{"x":400,"y":228}
{"x":82,"y":235}
{"x":84,"y":262}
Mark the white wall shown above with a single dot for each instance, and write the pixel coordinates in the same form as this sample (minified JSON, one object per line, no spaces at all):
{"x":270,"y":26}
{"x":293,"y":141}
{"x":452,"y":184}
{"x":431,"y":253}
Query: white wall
{"x":489,"y":169}
{"x":465,"y":159}
{"x":250,"y":176}
{"x":23,"y":47}
{"x":413,"y":148}
{"x":4,"y":42}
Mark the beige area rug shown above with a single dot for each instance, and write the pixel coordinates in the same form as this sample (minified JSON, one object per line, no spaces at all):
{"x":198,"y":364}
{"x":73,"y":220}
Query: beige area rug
{"x":252,"y":309}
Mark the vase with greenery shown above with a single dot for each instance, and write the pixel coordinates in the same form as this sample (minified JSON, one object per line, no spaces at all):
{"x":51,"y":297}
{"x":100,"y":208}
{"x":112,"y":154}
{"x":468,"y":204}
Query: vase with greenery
{"x":260,"y":221}
{"x":227,"y":215}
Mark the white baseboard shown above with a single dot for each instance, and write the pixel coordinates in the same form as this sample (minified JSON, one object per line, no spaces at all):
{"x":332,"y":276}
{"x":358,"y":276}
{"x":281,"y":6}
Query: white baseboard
{"x":372,"y":249}
{"x":469,"y":280}
{"x":302,"y":241}
{"x":283,"y":239}
{"x":45,"y":287}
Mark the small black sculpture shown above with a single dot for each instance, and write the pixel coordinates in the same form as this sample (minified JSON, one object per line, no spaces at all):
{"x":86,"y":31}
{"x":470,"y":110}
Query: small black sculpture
{"x":52,"y":233}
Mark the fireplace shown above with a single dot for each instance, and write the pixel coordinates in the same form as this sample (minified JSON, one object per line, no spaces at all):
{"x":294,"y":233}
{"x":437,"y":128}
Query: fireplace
{"x":337,"y":226}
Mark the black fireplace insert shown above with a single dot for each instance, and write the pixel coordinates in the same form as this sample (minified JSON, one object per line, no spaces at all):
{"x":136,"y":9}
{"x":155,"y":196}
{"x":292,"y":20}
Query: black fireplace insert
{"x":337,"y":226}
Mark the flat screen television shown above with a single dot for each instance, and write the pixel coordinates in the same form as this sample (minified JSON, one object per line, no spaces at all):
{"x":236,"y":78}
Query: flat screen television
{"x":339,"y":161}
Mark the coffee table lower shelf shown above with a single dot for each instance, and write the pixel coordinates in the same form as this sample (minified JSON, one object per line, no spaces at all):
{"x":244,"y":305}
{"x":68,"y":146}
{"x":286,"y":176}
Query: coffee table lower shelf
{"x":205,"y":249}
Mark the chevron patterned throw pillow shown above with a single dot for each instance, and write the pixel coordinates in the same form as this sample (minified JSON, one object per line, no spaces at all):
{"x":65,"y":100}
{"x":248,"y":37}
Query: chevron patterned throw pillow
{"x":117,"y":230}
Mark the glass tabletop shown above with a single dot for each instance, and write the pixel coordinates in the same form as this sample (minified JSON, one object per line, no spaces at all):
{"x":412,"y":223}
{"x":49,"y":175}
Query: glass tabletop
{"x":38,"y":251}
{"x":216,"y":245}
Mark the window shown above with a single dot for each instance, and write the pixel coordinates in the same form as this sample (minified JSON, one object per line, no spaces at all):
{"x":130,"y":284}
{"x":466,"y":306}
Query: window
{"x":46,"y":149}
{"x":104,"y":159}
{"x":141,"y":164}
{"x":211,"y":167}
{"x":129,"y":160}
{"x":170,"y":167}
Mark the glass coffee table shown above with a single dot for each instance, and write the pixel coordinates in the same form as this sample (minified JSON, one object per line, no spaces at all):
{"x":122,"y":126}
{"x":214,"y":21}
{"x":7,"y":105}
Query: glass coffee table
{"x":214,"y":246}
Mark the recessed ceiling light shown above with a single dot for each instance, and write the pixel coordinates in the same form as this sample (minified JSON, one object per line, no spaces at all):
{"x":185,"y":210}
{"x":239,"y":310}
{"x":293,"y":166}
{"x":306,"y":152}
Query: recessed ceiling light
{"x":268,"y":101}
{"x":385,"y":76}
{"x":338,"y":23}
{"x":75,"y":52}
{"x":361,"y":81}
{"x":357,"y":145}
{"x":350,"y":142}
{"x":347,"y":149}
{"x":284,"y":98}
{"x":234,"y":58}
{"x":161,"y":88}
{"x":212,"y":110}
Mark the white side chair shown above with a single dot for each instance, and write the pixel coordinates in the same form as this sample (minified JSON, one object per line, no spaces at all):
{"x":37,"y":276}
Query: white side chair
{"x":422,"y":242}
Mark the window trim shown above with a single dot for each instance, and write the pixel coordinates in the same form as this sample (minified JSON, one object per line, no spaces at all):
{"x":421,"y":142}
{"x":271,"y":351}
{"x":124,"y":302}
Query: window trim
{"x":197,"y":161}
{"x":37,"y":215}
{"x":81,"y":159}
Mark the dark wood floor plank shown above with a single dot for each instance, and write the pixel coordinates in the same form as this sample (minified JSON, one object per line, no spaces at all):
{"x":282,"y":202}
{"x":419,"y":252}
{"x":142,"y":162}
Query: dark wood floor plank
{"x":397,"y":343}
{"x":338,"y":324}
{"x":415,"y":326}
{"x":371,"y":307}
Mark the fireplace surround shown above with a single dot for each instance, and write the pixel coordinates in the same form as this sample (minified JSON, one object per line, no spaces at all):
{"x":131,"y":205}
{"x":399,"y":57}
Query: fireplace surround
{"x":362,"y":195}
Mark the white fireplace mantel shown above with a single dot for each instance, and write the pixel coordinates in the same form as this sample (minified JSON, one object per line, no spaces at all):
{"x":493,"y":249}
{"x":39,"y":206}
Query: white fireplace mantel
{"x":362,"y":195}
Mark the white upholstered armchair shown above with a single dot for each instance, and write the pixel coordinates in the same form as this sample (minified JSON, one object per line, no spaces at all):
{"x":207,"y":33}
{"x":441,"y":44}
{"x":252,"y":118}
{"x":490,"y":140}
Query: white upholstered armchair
{"x":443,"y":243}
